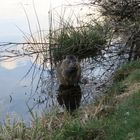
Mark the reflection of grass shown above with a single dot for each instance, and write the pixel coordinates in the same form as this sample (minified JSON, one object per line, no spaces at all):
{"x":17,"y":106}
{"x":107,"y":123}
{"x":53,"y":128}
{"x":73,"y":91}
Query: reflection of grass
{"x":113,"y":117}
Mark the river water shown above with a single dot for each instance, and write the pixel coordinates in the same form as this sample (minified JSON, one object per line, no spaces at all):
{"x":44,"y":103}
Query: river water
{"x":12,"y":90}
{"x":17,"y":92}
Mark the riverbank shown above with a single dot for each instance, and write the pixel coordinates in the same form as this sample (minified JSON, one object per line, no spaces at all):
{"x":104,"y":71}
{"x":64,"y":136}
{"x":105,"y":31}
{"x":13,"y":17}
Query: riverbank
{"x":115,"y":116}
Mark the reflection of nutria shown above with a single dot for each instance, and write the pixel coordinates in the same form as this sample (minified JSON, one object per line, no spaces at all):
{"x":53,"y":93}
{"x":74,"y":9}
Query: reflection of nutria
{"x":69,"y":97}
{"x":69,"y":71}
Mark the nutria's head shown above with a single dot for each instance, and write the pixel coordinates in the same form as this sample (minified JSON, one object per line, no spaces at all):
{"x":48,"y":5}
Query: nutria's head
{"x":70,"y":63}
{"x":69,"y":71}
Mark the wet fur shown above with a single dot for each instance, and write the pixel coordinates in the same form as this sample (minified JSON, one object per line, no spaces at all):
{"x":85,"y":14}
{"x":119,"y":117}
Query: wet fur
{"x":69,"y":71}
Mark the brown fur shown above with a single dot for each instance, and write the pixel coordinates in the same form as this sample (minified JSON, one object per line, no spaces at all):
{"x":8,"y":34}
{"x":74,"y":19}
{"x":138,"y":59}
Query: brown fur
{"x":69,"y":71}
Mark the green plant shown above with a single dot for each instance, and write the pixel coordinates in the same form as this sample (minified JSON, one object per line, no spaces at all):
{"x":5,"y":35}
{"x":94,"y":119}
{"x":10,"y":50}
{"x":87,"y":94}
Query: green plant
{"x":84,"y":41}
{"x":125,"y":70}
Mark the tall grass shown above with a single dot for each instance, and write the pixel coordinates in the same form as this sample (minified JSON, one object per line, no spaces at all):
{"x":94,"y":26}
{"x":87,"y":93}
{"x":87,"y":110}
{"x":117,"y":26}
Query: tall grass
{"x":84,"y":41}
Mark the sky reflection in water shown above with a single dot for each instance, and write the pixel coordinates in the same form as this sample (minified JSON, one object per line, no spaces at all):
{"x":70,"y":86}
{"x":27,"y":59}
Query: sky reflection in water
{"x":14,"y":92}
{"x":12,"y":17}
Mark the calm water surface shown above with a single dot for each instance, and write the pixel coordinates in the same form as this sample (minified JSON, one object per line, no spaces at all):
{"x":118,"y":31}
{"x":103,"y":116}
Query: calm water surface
{"x":14,"y":89}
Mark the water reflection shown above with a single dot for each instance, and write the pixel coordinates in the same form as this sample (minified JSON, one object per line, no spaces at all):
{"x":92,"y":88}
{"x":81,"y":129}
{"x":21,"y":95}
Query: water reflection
{"x":15,"y":95}
{"x":69,"y":97}
{"x":15,"y":92}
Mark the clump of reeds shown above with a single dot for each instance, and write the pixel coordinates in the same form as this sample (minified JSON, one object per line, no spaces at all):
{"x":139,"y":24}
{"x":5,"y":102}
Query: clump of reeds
{"x":84,"y":41}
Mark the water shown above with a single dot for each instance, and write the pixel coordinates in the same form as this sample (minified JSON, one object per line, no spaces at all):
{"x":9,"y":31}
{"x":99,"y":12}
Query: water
{"x":12,"y":89}
{"x":17,"y":92}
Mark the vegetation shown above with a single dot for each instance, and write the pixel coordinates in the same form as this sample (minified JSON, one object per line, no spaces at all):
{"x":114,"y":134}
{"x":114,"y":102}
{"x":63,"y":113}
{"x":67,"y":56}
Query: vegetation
{"x":125,"y":20}
{"x":84,"y":41}
{"x":115,"y":116}
{"x":125,"y":70}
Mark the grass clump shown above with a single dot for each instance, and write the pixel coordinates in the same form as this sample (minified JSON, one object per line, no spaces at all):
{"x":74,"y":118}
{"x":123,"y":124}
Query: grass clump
{"x":76,"y":130}
{"x":85,"y":41}
{"x":71,"y":131}
{"x":13,"y":129}
{"x":125,"y":70}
